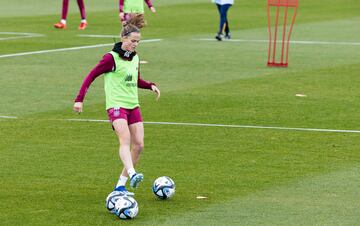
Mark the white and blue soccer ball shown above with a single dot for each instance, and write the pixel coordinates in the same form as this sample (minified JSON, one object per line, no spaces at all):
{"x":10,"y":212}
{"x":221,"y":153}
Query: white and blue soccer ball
{"x":164,"y":187}
{"x":126,"y":207}
{"x":111,"y":200}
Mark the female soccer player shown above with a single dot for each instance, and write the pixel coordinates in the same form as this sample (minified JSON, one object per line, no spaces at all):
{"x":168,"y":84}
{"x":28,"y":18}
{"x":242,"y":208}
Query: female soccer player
{"x":65,"y":7}
{"x":223,"y":7}
{"x":130,"y":8}
{"x":122,"y":79}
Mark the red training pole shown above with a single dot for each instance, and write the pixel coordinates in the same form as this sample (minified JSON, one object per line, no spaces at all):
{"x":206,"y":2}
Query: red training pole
{"x":272,"y":53}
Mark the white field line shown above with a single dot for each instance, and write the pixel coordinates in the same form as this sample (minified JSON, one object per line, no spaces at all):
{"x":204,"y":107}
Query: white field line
{"x":230,"y":126}
{"x":69,"y":49}
{"x":116,"y":36}
{"x":292,"y":42}
{"x":19,"y":35}
{"x":99,"y":36}
{"x":11,"y":117}
{"x":55,"y":50}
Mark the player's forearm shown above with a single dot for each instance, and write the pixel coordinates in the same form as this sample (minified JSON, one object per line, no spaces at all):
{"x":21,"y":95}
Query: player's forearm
{"x":86,"y":84}
{"x":121,"y":6}
{"x":149,"y":3}
{"x":144,"y":84}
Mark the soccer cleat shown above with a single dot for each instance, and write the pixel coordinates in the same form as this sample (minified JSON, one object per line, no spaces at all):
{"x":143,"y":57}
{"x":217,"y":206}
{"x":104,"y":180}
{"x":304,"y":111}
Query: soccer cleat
{"x":136,"y":179}
{"x":228,"y":36}
{"x":60,"y":25}
{"x":82,"y":26}
{"x":123,"y":190}
{"x":219,"y":37}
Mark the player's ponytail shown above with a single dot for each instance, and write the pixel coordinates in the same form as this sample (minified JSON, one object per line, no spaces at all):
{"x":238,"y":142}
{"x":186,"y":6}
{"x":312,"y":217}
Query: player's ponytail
{"x":135,"y":23}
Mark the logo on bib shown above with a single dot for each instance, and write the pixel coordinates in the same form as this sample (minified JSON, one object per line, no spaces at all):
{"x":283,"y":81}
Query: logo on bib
{"x":128,"y":78}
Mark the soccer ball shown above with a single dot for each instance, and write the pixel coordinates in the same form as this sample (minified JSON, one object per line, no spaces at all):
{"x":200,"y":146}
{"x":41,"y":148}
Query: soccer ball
{"x":164,"y":187}
{"x":111,"y":200}
{"x":126,"y":207}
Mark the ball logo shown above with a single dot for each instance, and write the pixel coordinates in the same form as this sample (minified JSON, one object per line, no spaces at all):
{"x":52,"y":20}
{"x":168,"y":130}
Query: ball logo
{"x":163,"y":187}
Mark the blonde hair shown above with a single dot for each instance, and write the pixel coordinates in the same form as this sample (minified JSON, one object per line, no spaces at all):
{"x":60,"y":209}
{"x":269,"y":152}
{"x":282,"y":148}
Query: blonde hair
{"x":134,"y":24}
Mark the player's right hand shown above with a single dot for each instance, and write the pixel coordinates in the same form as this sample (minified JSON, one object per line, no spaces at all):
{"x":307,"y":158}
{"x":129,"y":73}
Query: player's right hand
{"x":122,"y":16}
{"x":78,"y":107}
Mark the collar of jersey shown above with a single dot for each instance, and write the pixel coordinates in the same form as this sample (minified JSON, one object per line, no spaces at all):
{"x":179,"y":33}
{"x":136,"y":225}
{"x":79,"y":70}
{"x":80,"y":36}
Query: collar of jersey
{"x":126,"y":55}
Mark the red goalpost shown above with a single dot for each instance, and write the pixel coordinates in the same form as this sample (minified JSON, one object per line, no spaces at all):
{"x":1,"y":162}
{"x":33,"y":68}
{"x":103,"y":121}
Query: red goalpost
{"x":280,"y":31}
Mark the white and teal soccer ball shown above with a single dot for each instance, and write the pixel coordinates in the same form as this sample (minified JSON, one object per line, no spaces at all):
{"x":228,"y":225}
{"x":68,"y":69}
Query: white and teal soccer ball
{"x":164,"y":187}
{"x":111,"y":200}
{"x":126,"y":207}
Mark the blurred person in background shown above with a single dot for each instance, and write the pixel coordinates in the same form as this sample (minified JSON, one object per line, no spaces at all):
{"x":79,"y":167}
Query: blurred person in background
{"x":65,"y":8}
{"x":131,"y":8}
{"x":223,"y":7}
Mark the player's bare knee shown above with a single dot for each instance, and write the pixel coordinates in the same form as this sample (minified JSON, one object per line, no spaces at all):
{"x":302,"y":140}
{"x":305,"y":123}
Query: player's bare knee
{"x":139,"y":147}
{"x":124,"y":141}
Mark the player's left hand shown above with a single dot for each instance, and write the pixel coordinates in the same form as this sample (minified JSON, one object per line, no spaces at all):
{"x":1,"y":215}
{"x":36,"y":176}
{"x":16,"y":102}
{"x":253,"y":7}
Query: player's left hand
{"x":156,"y":90}
{"x":152,"y":8}
{"x":78,"y":107}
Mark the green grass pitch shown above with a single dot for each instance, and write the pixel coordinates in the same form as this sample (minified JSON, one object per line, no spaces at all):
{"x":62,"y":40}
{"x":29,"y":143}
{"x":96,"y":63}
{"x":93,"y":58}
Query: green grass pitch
{"x":59,"y":172}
